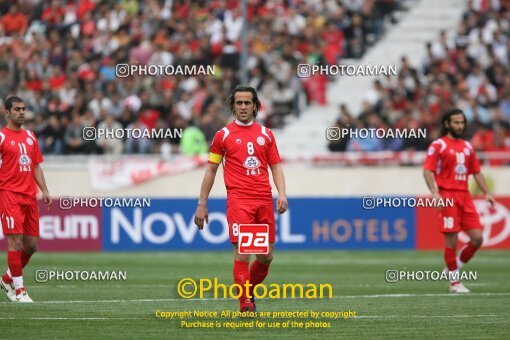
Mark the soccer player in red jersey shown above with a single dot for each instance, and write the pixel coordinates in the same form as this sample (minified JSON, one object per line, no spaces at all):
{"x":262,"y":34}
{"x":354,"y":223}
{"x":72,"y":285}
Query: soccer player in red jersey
{"x":246,"y":150}
{"x":19,"y":216}
{"x":450,"y":160}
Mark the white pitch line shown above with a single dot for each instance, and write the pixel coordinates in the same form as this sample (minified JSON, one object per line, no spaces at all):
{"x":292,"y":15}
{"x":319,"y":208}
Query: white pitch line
{"x":417,"y":295}
{"x":119,"y":301}
{"x":212,"y":299}
{"x":108,"y":286}
{"x":372,"y":261}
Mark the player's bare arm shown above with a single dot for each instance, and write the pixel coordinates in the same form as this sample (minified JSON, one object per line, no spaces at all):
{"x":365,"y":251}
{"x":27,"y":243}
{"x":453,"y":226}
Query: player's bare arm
{"x":41,"y":182}
{"x":480,"y":181}
{"x":201,"y":214}
{"x":431,"y":183}
{"x":279,"y":182}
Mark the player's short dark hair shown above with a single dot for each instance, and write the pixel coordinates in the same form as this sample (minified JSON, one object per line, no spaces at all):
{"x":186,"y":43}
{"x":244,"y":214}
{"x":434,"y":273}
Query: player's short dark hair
{"x":245,"y":88}
{"x":447,"y":116}
{"x":11,"y":100}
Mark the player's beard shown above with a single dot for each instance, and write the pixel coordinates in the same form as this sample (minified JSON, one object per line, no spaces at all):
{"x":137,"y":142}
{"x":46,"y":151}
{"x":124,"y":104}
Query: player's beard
{"x":456,"y":133}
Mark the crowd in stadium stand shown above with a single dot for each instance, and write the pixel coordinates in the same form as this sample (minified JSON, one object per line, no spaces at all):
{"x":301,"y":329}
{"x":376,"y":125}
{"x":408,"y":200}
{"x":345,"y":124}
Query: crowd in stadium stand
{"x":60,"y":57}
{"x":470,"y":71}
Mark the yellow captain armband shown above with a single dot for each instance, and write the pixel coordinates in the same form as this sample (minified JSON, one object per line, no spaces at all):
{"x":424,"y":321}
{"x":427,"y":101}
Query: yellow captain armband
{"x":215,"y":158}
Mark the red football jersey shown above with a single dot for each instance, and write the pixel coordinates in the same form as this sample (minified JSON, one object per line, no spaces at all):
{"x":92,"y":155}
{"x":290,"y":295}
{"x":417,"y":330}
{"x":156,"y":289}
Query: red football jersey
{"x":19,"y":153}
{"x":452,"y":161}
{"x":245,"y":151}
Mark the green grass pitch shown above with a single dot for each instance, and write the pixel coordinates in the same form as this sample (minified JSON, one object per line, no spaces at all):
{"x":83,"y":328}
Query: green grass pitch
{"x":126,"y":309}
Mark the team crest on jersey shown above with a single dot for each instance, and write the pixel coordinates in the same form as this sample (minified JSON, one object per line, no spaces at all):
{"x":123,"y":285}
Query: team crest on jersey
{"x":431,"y":151}
{"x":24,"y":160}
{"x":452,"y":152}
{"x":467,"y":151}
{"x":238,"y":141}
{"x":460,"y":169}
{"x":30,"y":141}
{"x":13,"y":142}
{"x":251,"y":162}
{"x":261,"y":141}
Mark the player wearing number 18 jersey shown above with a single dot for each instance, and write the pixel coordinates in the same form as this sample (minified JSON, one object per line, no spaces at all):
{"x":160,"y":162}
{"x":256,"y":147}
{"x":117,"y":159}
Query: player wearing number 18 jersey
{"x":246,"y":150}
{"x":450,"y":160}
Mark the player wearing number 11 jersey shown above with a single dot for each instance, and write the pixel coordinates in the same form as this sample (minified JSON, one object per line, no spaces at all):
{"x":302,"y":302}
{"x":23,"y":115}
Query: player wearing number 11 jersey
{"x":246,"y":150}
{"x":19,"y":218}
{"x":450,"y":160}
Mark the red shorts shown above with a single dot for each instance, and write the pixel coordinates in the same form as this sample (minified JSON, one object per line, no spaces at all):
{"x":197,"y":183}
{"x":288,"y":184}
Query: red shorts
{"x":250,"y":214}
{"x":461,"y":216}
{"x":19,"y":214}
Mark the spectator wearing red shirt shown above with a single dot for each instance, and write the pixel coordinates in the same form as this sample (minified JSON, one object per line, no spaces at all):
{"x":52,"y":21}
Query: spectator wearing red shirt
{"x":483,"y":138}
{"x":54,"y":14}
{"x":491,"y":141}
{"x":34,"y":83}
{"x":14,"y":21}
{"x":58,"y":79}
{"x":334,"y":39}
{"x":85,"y":6}
{"x":88,"y":25}
{"x":501,"y":143}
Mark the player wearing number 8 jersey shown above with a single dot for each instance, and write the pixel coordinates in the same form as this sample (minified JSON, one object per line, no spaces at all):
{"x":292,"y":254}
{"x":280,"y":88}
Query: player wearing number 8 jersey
{"x":246,"y":150}
{"x":450,"y":160}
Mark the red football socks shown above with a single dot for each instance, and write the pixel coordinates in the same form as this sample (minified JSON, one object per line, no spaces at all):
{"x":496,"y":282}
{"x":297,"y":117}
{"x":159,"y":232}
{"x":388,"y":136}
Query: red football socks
{"x":14,"y":262}
{"x":450,"y":259}
{"x":241,"y":275}
{"x":467,"y":252}
{"x":258,"y":272}
{"x":24,"y":258}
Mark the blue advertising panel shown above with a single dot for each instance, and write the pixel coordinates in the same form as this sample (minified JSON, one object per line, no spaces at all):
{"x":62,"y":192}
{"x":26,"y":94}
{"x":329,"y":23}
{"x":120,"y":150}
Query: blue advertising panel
{"x":343,"y":223}
{"x":310,"y":223}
